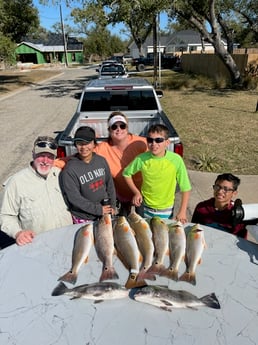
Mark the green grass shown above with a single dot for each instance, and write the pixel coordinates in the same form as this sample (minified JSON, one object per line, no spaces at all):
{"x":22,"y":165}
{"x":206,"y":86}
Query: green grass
{"x":218,"y":126}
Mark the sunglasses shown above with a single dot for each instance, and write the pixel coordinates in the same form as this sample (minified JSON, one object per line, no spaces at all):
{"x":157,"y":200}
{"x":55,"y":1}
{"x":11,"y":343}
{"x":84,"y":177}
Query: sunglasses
{"x":52,"y":146}
{"x":217,"y":188}
{"x":122,"y":126}
{"x":156,"y":140}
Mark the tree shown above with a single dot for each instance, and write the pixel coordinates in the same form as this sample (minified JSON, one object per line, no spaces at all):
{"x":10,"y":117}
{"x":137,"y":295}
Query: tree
{"x":1,"y":15}
{"x":210,"y":18}
{"x":133,"y":14}
{"x":89,"y":17}
{"x":245,"y":13}
{"x":138,"y":15}
{"x":7,"y":48}
{"x":57,"y":28}
{"x":19,"y":17}
{"x":203,"y":15}
{"x":100,"y":42}
{"x":248,"y":10}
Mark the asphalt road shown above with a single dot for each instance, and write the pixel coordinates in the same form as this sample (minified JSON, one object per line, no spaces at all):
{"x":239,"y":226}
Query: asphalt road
{"x":39,"y":110}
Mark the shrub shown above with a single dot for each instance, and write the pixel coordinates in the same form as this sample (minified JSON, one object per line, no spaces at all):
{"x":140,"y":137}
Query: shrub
{"x":206,"y":161}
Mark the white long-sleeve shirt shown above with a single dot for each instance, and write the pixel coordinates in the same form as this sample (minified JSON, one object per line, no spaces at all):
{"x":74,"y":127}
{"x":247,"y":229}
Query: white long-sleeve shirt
{"x":31,"y":202}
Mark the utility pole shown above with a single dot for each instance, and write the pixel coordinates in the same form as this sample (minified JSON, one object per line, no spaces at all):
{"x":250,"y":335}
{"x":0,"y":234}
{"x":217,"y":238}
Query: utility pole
{"x":154,"y":30}
{"x":156,"y":51}
{"x":159,"y":53}
{"x":64,"y":39}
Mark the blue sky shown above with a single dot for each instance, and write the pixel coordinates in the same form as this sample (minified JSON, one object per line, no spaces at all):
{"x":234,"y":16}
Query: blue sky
{"x":49,"y":15}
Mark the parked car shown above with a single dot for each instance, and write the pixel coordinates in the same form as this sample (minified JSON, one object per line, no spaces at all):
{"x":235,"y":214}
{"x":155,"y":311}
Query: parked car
{"x":112,"y":70}
{"x":105,"y":62}
{"x":117,"y":58}
{"x":128,"y":59}
{"x":167,"y":61}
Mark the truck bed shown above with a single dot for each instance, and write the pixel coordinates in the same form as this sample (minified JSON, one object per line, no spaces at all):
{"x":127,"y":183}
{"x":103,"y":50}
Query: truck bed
{"x":135,"y":97}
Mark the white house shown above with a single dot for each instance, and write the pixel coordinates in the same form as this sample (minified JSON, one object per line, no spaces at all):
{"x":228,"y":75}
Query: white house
{"x":181,"y":41}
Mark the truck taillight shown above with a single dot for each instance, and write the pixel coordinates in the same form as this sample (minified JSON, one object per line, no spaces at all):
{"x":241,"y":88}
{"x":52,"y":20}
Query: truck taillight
{"x":178,"y":148}
{"x":61,"y":152}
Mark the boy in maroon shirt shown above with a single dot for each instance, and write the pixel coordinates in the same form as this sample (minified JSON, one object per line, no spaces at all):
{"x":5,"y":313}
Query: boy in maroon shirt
{"x":216,"y":212}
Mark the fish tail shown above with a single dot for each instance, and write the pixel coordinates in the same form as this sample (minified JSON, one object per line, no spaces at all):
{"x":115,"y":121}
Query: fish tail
{"x":188,"y":277}
{"x":108,"y":273}
{"x":156,"y":268}
{"x":170,"y":273}
{"x":211,"y":301}
{"x":60,"y":289}
{"x":144,"y":274}
{"x":69,"y":277}
{"x":132,"y":282}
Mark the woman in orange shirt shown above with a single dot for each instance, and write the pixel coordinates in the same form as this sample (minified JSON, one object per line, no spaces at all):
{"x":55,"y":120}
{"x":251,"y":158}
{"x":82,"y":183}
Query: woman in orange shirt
{"x":119,"y":150}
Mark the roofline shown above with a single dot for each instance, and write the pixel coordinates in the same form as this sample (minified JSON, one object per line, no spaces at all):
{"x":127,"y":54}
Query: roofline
{"x":46,"y":49}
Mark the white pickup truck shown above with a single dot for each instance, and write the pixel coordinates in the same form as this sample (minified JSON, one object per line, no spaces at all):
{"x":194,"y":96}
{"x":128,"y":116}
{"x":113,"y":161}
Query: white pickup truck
{"x":135,"y":97}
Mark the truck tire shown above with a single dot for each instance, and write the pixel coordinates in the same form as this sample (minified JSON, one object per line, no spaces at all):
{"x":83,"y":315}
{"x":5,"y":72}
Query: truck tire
{"x":140,"y":67}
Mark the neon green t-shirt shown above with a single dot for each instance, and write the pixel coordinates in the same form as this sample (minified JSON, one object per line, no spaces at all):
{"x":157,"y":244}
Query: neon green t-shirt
{"x":160,"y":177}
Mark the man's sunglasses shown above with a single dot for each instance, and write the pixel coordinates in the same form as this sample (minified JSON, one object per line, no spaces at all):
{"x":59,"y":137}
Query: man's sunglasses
{"x":156,"y":140}
{"x":122,"y":126}
{"x":52,"y":146}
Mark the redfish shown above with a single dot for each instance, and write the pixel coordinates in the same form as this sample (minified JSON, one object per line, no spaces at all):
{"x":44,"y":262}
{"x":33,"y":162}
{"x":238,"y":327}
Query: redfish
{"x":160,"y":239}
{"x":177,"y":247}
{"x":143,"y":235}
{"x":82,"y":245}
{"x":104,"y":245}
{"x":127,"y":251}
{"x":195,"y":244}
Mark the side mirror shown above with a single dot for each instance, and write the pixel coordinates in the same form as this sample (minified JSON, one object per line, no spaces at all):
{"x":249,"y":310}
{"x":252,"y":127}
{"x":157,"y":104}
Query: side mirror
{"x":77,"y":95}
{"x":159,"y":93}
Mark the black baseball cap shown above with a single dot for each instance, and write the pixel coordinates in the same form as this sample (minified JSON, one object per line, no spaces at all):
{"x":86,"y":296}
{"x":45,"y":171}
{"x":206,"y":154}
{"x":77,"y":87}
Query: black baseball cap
{"x":85,"y":133}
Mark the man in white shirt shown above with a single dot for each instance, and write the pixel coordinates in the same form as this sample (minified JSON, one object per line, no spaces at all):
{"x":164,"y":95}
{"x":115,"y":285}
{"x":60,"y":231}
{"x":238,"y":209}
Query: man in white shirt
{"x":32,"y":199}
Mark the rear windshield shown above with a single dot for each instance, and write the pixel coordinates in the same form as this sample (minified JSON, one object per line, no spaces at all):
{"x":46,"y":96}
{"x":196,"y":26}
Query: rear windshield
{"x":118,"y":100}
{"x":113,"y":69}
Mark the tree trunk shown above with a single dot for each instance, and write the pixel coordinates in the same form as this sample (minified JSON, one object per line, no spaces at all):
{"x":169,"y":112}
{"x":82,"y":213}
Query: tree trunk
{"x":228,"y":61}
{"x":214,"y":37}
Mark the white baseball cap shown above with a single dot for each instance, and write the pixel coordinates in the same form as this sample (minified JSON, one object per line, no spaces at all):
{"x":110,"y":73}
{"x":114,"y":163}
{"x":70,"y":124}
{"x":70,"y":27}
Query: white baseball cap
{"x":116,"y":118}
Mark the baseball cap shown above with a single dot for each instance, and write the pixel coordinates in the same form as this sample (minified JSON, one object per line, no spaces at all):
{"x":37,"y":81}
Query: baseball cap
{"x":45,"y":144}
{"x":116,"y":118}
{"x":85,"y":133}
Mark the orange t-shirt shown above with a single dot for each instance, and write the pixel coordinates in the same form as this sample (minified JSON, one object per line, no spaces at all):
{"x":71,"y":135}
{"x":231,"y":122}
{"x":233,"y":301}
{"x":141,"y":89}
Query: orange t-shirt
{"x":118,"y":160}
{"x":60,"y":162}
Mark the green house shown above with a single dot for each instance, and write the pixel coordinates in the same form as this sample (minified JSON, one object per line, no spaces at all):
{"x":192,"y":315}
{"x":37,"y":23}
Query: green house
{"x":49,"y":50}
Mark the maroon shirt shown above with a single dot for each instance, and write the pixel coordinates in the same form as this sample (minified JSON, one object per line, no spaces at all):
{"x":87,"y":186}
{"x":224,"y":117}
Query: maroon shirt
{"x":205,"y":213}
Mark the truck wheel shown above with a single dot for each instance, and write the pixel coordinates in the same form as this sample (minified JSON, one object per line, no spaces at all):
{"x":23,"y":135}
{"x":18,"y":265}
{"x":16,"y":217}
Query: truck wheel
{"x":141,"y":67}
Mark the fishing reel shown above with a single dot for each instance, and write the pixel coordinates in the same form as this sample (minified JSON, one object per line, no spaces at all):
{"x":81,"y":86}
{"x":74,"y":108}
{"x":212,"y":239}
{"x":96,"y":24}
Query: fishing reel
{"x":244,"y":212}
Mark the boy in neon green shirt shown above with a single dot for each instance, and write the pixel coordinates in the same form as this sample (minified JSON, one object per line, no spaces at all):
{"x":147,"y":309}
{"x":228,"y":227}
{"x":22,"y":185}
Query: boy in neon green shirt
{"x":161,"y":171}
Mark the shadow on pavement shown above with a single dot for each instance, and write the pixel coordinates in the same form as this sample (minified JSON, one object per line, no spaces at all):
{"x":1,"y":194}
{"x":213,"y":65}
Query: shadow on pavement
{"x":63,"y":87}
